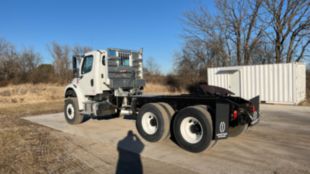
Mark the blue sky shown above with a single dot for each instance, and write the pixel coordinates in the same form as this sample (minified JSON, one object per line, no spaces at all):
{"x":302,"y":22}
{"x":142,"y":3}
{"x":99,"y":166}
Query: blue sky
{"x":155,"y":25}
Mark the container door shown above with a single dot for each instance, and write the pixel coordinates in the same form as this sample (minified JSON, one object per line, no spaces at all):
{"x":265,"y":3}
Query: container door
{"x":234,"y":84}
{"x":300,"y":83}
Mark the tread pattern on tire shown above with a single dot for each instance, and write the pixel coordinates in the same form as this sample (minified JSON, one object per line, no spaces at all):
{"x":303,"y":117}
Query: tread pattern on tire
{"x":168,"y":108}
{"x":164,"y":122}
{"x":171,"y":113}
{"x":78,"y":117}
{"x":204,"y":116}
{"x":213,"y":142}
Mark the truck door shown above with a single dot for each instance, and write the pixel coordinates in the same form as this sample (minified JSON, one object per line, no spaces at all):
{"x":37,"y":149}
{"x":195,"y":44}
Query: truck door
{"x":86,"y":80}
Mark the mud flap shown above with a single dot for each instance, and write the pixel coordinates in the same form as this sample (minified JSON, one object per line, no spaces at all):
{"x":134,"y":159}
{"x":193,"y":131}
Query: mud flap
{"x":255,"y":116}
{"x":255,"y":101}
{"x":221,"y":121}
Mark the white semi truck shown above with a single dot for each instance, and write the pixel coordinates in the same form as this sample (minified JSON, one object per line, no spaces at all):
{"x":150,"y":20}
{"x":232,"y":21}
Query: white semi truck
{"x":110,"y":81}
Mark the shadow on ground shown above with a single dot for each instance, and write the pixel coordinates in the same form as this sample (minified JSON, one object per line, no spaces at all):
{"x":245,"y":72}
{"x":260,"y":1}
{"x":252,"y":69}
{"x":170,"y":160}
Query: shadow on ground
{"x":129,"y":159}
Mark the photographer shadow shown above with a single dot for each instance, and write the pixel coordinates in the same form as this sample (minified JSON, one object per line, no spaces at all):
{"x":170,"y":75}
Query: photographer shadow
{"x":129,"y":149}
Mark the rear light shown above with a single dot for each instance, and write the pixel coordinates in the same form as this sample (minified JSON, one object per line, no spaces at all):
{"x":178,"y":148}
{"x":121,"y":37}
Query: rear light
{"x":235,"y":114}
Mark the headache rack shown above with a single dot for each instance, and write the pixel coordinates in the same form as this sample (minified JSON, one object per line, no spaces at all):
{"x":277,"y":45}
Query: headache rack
{"x":125,"y":68}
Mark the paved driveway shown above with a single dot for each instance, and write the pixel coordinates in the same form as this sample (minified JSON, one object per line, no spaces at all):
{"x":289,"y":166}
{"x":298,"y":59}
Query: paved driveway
{"x":280,"y":143}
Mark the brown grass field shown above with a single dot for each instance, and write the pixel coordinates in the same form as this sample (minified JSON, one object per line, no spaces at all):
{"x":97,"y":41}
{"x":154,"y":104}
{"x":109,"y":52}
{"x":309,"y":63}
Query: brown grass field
{"x":14,"y":95}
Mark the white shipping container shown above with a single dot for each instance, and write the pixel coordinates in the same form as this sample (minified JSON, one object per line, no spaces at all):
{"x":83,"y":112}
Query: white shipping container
{"x":283,"y":83}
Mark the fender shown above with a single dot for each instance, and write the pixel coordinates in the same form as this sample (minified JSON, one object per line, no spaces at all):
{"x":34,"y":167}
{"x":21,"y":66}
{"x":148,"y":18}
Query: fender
{"x":80,"y":96}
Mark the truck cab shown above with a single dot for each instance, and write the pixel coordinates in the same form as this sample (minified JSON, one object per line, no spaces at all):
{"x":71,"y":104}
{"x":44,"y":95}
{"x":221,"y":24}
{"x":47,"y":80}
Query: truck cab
{"x":101,"y":73}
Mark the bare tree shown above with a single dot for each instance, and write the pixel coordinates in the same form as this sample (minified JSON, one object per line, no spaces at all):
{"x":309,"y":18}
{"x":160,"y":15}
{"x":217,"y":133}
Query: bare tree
{"x":208,"y":35}
{"x":29,"y":60}
{"x":16,"y":67}
{"x":24,"y":66}
{"x":233,"y":35}
{"x":291,"y":27}
{"x":152,"y":72}
{"x":151,"y":66}
{"x":9,"y":65}
{"x":44,"y":73}
{"x":186,"y":67}
{"x":6,"y":48}
{"x":245,"y":32}
{"x":80,"y":50}
{"x":230,"y":36}
{"x":60,"y":54}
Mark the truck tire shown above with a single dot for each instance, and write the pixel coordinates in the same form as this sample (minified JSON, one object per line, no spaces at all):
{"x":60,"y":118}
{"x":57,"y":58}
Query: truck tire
{"x":153,"y":122}
{"x":171,"y":113}
{"x":213,"y":142}
{"x":72,"y":114}
{"x":168,"y":108}
{"x":238,"y":130}
{"x":193,"y":129}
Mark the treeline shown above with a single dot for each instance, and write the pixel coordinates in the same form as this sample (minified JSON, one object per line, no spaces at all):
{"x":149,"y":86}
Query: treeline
{"x":26,"y":66}
{"x":152,"y":74}
{"x":239,"y":32}
{"x":243,"y":32}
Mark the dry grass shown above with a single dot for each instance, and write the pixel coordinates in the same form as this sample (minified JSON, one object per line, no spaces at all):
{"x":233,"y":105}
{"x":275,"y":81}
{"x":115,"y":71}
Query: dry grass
{"x":155,"y":88}
{"x":29,"y":148}
{"x":29,"y":93}
{"x":158,"y":88}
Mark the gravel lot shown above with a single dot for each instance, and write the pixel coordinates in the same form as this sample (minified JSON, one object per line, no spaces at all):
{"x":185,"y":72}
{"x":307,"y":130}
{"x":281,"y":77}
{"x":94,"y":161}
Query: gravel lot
{"x":278,"y":144}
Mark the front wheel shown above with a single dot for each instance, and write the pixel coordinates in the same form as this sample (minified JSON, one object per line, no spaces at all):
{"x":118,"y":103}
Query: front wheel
{"x":71,"y":110}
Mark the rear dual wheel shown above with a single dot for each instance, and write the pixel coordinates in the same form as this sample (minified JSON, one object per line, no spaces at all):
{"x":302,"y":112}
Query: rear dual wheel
{"x":192,"y":126}
{"x":193,"y":129}
{"x":153,"y":122}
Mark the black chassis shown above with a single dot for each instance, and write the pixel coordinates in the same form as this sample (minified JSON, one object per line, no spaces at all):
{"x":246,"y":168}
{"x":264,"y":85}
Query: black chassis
{"x":221,"y":108}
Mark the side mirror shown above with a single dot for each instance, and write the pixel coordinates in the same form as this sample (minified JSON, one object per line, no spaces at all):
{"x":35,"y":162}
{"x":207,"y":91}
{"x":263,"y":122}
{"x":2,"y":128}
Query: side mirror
{"x":74,"y":67}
